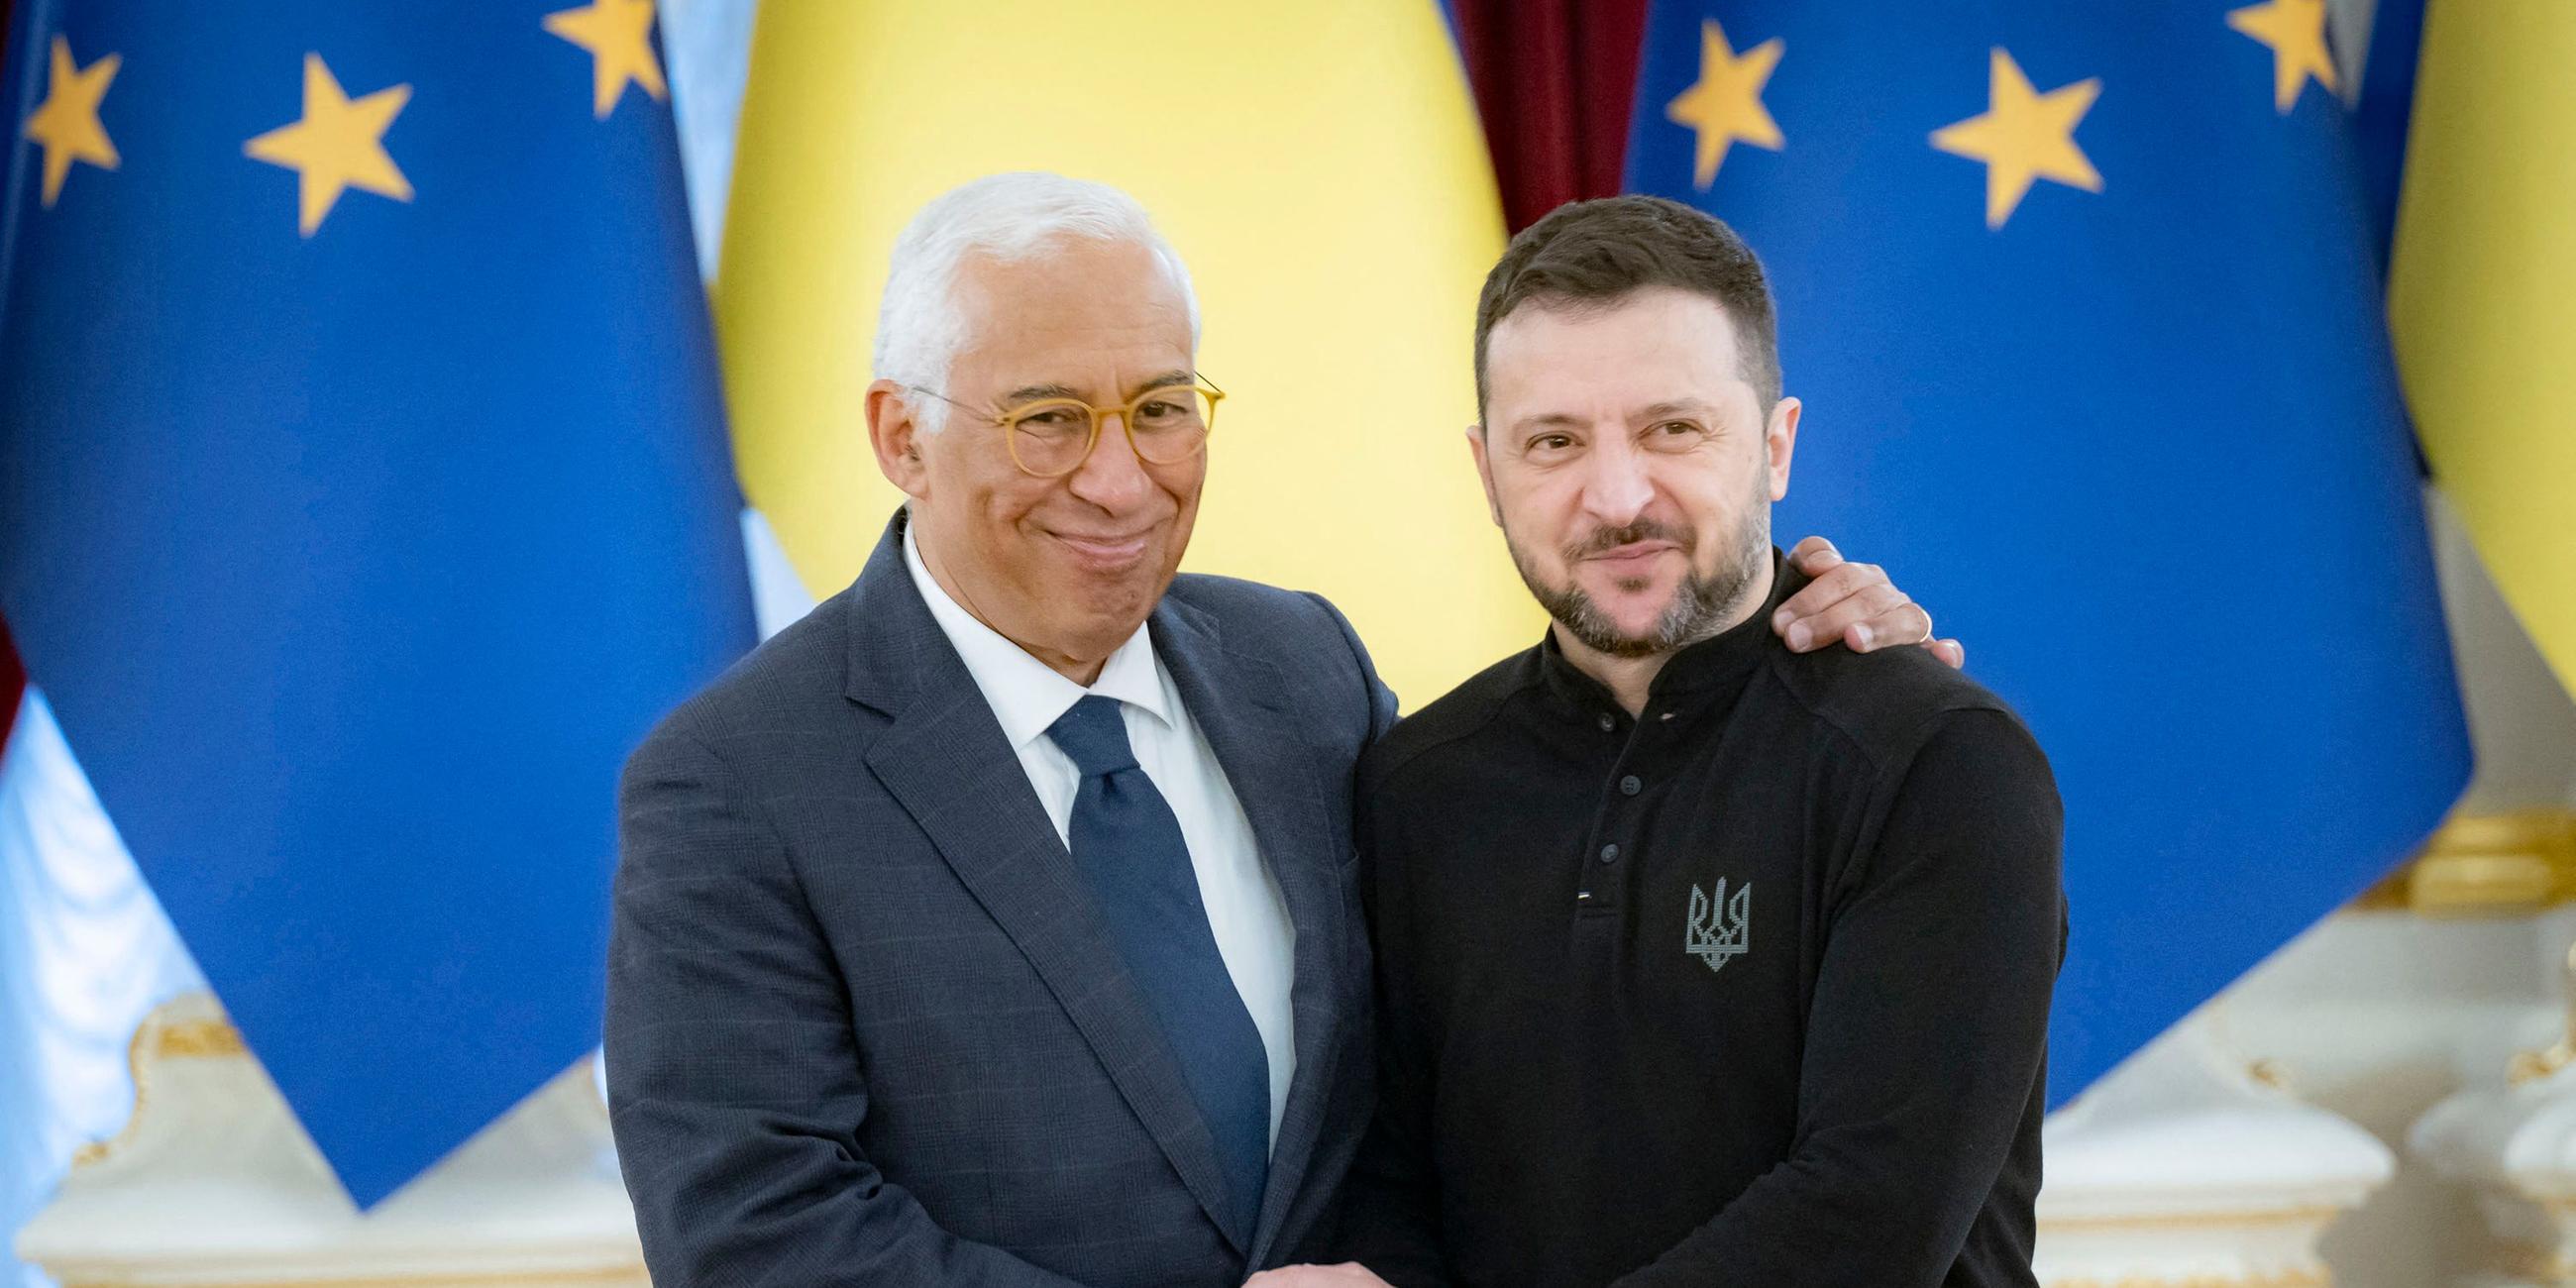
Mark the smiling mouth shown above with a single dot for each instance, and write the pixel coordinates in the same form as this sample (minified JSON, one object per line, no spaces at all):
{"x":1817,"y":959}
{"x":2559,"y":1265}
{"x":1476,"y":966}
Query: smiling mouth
{"x":1633,"y":555}
{"x":1105,"y":553}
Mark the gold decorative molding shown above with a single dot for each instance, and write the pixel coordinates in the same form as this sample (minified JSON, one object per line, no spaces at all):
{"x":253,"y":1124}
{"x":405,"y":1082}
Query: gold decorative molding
{"x":2298,"y":1278}
{"x":197,"y":1040}
{"x":2534,"y":1264}
{"x":164,"y":1036}
{"x":2305,"y":1214}
{"x":633,"y":1274}
{"x":2486,"y":865}
{"x":2532,"y":1066}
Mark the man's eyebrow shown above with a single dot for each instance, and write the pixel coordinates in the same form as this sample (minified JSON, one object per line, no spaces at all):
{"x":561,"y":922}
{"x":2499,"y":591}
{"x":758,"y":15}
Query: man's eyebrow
{"x":1672,"y":407}
{"x":1547,"y":420}
{"x":1032,"y":393}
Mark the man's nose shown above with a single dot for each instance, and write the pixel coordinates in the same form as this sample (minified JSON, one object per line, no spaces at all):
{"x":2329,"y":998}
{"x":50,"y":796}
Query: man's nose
{"x":1112,"y":477}
{"x":1618,"y":484}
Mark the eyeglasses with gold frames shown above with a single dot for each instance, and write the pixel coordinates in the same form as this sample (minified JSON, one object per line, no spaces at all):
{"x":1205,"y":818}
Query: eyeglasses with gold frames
{"x":1052,"y":437}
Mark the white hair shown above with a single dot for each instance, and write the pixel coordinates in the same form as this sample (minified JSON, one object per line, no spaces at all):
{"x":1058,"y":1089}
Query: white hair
{"x":1006,"y":217}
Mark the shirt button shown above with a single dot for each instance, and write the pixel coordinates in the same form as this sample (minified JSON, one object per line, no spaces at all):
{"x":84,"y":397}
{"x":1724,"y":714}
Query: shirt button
{"x":1607,"y":724}
{"x":1631,"y":785}
{"x":1610,"y":854}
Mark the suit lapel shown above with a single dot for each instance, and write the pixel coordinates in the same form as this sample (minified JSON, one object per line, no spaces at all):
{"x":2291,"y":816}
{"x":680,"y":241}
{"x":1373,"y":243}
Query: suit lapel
{"x":947,"y":762}
{"x":1241,"y":704}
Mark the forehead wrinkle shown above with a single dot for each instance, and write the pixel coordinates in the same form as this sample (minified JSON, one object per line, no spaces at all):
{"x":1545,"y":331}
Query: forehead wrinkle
{"x":1036,"y":393}
{"x":1674,"y":407}
{"x":1032,"y":393}
{"x":1061,"y":358}
{"x":1550,"y":419}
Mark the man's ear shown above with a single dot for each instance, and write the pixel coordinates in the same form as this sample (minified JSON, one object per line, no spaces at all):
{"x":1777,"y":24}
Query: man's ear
{"x":1780,"y":442}
{"x":1484,"y":472}
{"x":895,"y":433}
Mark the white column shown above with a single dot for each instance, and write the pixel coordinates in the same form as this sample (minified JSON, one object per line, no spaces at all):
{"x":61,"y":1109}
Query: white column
{"x":2184,"y":1169}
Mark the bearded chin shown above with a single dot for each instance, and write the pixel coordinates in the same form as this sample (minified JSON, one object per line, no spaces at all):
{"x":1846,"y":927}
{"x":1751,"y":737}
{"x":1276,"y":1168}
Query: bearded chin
{"x":1701,"y":606}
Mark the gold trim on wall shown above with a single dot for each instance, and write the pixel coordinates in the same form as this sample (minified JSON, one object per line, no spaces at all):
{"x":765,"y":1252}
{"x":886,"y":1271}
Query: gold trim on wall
{"x":198,"y":1040}
{"x":2533,"y":1263}
{"x":2304,"y":1214}
{"x":2486,"y":865}
{"x":623,"y":1274}
{"x":2276,"y":1279}
{"x":164,"y":1037}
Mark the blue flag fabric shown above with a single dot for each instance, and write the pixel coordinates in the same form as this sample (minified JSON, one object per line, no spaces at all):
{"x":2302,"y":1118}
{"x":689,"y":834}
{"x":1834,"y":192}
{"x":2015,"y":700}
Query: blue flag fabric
{"x":363,"y":499}
{"x":2382,"y":111}
{"x":2085,"y":310}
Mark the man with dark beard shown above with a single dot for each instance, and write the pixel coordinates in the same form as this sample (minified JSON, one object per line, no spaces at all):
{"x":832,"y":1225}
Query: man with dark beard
{"x":1701,"y":961}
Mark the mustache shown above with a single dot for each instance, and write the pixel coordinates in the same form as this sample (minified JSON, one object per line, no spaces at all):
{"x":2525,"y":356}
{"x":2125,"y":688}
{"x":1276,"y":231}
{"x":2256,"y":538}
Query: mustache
{"x":1604,"y":540}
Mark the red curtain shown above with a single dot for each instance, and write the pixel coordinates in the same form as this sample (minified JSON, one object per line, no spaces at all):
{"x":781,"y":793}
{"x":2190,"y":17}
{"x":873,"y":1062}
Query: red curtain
{"x":1554,"y":80}
{"x":13,"y":678}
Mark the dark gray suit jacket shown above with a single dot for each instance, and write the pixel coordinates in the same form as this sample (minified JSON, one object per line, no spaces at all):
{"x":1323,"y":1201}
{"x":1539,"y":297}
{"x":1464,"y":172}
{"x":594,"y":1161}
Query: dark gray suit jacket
{"x":864,"y":1025}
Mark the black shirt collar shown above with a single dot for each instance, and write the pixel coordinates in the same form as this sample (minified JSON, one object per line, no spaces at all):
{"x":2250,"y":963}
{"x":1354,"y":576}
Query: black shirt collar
{"x":1722,"y":659}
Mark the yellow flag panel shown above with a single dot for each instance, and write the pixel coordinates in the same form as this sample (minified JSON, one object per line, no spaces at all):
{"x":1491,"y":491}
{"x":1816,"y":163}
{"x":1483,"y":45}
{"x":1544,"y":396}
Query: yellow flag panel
{"x":2482,"y":296}
{"x":1317,"y":163}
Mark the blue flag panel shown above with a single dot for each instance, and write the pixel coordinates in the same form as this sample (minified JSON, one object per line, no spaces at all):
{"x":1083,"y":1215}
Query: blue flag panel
{"x":363,"y":498}
{"x":2085,"y":309}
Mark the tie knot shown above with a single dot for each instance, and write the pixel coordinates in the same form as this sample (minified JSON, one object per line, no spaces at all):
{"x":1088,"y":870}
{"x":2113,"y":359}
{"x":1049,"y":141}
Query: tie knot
{"x":1095,"y":736}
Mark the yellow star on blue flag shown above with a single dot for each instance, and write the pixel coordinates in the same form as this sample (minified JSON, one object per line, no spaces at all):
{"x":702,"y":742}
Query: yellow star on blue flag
{"x":619,"y":36}
{"x":66,"y":124}
{"x":1725,"y":105}
{"x":2025,"y":136}
{"x":2295,"y":32}
{"x":338,"y":145}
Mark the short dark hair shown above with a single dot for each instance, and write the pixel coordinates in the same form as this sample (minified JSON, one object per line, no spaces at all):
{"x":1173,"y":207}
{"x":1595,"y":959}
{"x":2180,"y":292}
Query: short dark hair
{"x":1594,"y":253}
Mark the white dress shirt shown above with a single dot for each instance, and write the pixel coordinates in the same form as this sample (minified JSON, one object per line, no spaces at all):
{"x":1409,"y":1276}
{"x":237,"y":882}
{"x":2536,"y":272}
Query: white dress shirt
{"x":1253,"y":932}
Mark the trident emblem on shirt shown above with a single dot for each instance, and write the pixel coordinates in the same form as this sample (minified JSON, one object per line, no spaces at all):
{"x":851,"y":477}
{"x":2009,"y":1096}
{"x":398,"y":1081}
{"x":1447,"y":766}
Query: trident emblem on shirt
{"x":1720,"y":930}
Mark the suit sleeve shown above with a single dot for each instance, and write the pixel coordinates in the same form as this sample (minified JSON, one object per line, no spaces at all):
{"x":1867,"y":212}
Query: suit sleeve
{"x":1380,"y":699}
{"x":1390,"y":1219}
{"x":1926,"y":1035}
{"x":1385,"y":1208}
{"x":1391,"y":1205}
{"x":734,"y":1081}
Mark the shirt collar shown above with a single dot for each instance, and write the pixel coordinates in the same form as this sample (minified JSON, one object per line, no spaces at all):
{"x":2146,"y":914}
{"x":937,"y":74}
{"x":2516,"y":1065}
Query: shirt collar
{"x":1731,"y":654}
{"x":1027,"y":695}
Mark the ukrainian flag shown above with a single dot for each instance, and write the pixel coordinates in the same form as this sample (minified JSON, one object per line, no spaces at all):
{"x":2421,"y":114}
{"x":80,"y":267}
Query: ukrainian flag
{"x":2483,"y":295}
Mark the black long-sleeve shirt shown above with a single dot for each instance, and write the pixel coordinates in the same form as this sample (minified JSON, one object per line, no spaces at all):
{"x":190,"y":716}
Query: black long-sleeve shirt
{"x":1750,"y":990}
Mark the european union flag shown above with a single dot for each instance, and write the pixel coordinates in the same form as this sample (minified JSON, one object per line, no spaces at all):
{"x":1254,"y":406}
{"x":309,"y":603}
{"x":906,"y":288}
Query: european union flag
{"x":2084,"y":303}
{"x":363,"y":498}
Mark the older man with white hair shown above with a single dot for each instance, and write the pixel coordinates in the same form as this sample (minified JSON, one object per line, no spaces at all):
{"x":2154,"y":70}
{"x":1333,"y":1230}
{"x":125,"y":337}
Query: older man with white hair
{"x":995,"y":923}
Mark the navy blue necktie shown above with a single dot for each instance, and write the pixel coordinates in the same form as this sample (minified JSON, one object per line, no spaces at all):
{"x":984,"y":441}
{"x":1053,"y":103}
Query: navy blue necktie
{"x":1129,"y":849}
